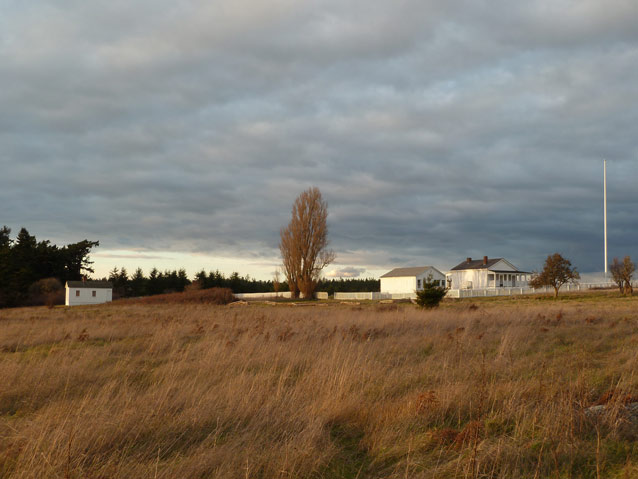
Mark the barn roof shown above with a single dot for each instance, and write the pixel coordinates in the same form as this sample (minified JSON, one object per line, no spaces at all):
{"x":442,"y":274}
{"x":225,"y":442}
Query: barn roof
{"x":90,"y":284}
{"x":414,"y":271}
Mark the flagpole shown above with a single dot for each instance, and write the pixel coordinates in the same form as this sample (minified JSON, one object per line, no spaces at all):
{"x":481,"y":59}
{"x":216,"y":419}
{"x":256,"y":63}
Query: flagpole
{"x":605,"y":210}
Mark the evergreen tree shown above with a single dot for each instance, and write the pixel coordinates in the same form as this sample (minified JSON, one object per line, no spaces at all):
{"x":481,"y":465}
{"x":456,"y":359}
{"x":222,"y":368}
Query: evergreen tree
{"x":77,"y":259}
{"x":5,"y":238}
{"x":138,"y":283}
{"x":154,"y":282}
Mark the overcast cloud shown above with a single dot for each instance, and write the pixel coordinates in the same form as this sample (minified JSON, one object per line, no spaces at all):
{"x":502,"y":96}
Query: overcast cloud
{"x":435,"y":130}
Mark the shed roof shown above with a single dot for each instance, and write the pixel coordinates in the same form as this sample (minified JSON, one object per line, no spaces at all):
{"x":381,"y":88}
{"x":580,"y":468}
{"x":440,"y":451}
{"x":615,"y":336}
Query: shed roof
{"x":90,"y":284}
{"x":414,"y":271}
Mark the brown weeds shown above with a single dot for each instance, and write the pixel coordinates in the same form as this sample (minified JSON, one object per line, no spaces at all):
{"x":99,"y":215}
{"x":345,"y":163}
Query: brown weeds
{"x":194,"y":390}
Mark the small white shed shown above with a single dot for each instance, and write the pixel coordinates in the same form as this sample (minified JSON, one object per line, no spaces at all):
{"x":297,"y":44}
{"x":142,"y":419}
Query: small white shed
{"x":409,"y":280}
{"x":88,"y":292}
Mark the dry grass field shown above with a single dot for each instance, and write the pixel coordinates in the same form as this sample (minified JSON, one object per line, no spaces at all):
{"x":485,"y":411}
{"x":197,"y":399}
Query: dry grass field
{"x":489,"y":389}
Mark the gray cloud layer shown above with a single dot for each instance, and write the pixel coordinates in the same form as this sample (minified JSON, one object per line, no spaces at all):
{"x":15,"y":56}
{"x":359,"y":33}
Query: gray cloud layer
{"x":436,"y":130}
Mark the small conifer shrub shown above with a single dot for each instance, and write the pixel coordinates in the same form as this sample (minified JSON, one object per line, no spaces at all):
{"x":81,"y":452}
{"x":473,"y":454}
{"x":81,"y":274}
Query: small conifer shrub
{"x":431,"y":295}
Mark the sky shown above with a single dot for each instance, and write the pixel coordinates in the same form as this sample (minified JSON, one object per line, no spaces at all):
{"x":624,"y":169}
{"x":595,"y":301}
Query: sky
{"x":179,"y":133}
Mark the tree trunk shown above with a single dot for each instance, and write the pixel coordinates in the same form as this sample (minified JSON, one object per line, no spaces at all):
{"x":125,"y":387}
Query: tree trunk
{"x":555,"y":291}
{"x":294,"y":291}
{"x":629,"y":290}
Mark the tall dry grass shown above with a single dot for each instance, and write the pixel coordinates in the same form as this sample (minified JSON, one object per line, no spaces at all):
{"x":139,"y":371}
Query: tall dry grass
{"x":166,"y":391}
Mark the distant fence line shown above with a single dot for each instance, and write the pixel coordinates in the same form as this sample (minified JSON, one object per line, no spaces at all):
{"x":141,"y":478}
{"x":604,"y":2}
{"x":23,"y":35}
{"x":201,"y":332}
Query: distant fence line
{"x":373,"y":295}
{"x":474,"y":293}
{"x":477,"y":293}
{"x":452,"y":293}
{"x":284,"y":294}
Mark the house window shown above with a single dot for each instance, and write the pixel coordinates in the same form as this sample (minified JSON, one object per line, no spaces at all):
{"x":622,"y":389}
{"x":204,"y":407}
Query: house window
{"x":93,"y":294}
{"x":418,"y":283}
{"x":77,"y":293}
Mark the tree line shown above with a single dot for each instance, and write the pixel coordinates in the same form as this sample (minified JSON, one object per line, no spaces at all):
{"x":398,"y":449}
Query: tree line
{"x":158,"y":282}
{"x":177,"y":281}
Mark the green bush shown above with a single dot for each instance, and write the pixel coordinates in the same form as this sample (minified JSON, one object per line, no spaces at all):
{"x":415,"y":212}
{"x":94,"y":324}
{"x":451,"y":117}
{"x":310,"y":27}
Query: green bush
{"x":431,"y":294}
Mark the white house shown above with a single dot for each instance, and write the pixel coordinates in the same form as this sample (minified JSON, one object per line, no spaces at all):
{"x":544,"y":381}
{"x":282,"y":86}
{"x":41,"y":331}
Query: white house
{"x":409,"y":280}
{"x":486,"y":273}
{"x":88,"y":292}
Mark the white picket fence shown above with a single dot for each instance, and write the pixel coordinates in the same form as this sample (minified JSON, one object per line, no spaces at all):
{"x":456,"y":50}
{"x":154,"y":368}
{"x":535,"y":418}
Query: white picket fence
{"x":478,"y":293}
{"x":284,"y":294}
{"x":452,"y":293}
{"x":373,"y":296}
{"x":472,"y":293}
{"x":361,"y":295}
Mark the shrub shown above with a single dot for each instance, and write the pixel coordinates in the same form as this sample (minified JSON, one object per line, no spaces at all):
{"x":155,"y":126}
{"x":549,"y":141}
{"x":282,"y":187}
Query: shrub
{"x":431,"y":294}
{"x":222,"y":296}
{"x":202,"y":296}
{"x":47,"y":291}
{"x":194,"y":286}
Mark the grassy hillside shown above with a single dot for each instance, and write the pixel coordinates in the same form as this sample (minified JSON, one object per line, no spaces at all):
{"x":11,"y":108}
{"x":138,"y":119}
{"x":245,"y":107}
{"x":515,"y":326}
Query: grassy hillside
{"x":490,"y":388}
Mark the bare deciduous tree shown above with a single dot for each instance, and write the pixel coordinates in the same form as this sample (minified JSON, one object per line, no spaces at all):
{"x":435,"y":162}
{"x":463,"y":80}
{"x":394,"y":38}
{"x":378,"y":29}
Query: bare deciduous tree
{"x":622,"y":274}
{"x":290,"y":260}
{"x":304,"y":243}
{"x":556,"y":272}
{"x":616,"y":273}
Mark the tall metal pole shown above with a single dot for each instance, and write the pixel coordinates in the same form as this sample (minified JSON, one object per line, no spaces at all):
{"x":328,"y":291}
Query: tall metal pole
{"x":605,"y":209}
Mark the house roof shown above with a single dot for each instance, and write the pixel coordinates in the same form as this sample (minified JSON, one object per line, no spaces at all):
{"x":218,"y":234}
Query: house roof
{"x":90,"y":284}
{"x":479,"y":264}
{"x":476,"y":264}
{"x":414,"y":271}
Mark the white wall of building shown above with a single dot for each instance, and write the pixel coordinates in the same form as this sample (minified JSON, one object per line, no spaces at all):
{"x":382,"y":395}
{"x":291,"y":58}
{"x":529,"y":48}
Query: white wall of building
{"x":87,"y":296}
{"x":467,"y":279}
{"x":498,"y":276}
{"x":400,"y":284}
{"x":409,"y":284}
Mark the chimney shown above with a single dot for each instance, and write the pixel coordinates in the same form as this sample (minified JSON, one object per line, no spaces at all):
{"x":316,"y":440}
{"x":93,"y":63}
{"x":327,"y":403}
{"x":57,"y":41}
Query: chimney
{"x":484,"y":259}
{"x":469,"y":260}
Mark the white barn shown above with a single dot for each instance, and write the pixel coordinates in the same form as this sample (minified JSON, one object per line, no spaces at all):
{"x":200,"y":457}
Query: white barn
{"x":409,"y":280}
{"x":486,"y":273}
{"x":88,"y":292}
